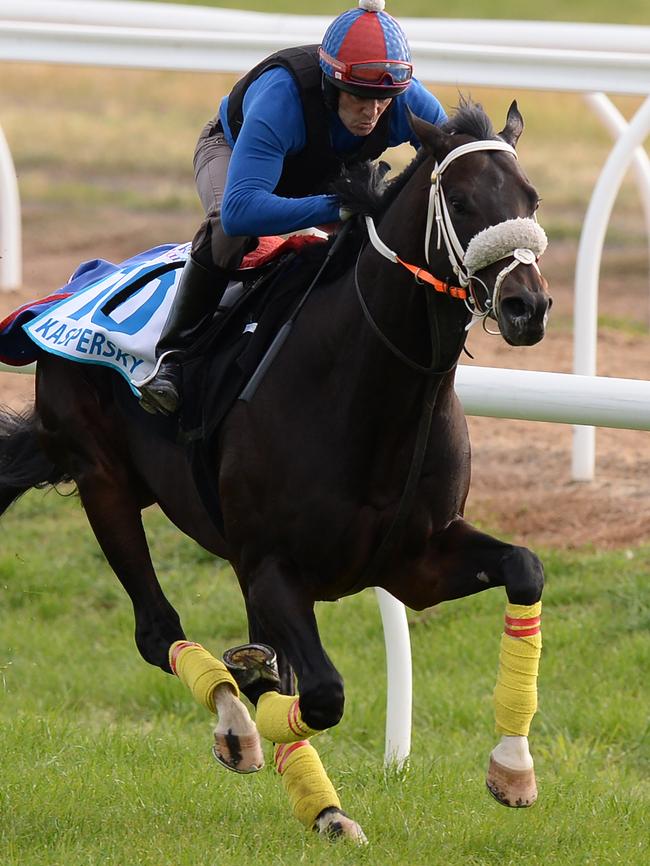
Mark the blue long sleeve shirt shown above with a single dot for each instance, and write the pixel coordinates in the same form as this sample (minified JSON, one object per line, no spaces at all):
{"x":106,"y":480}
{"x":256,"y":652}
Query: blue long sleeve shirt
{"x":273,"y":128}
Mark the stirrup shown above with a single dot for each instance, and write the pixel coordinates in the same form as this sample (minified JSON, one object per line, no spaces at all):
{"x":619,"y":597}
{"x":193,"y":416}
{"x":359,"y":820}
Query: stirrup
{"x":161,"y":393}
{"x":251,"y":663}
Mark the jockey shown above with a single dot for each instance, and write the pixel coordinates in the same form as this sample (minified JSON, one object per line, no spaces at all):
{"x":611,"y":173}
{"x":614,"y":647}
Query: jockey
{"x":264,"y":163}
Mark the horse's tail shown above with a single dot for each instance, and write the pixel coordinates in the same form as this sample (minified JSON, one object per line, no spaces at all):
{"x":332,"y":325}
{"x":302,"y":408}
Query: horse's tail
{"x":23,"y":464}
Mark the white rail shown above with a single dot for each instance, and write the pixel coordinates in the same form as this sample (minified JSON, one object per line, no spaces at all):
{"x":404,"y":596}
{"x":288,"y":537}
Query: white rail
{"x":563,"y":398}
{"x":527,"y":395}
{"x":587,"y":270}
{"x":526,"y":34}
{"x":456,"y":62}
{"x":399,"y":677}
{"x":11,"y":262}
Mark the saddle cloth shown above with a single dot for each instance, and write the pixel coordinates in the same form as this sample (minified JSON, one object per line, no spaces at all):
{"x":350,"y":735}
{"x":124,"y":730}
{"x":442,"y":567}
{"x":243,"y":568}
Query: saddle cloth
{"x":112,"y":315}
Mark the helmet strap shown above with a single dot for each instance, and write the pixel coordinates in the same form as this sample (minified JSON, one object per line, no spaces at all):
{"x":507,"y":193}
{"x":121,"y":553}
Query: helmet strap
{"x":330,"y":94}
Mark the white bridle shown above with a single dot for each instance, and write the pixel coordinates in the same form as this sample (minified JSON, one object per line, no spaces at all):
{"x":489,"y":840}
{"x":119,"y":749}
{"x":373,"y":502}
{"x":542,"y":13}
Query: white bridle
{"x":522,"y":238}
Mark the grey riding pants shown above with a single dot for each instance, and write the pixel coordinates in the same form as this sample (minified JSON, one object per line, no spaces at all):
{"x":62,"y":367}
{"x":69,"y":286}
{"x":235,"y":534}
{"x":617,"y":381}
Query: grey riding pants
{"x":211,"y":246}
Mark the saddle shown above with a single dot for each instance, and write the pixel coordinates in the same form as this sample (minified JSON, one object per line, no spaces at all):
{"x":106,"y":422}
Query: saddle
{"x":255,"y":306}
{"x":223,"y":360}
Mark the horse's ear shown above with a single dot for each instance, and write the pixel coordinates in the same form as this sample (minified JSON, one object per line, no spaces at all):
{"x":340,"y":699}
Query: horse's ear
{"x":514,"y":125}
{"x":432,"y":137}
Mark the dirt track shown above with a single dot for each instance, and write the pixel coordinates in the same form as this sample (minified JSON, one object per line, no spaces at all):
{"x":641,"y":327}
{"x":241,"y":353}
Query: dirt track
{"x":522,"y":486}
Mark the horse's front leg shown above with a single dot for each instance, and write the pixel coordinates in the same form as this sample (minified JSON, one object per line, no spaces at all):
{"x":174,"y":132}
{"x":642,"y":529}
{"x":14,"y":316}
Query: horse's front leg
{"x":465,"y":561}
{"x":281,"y":614}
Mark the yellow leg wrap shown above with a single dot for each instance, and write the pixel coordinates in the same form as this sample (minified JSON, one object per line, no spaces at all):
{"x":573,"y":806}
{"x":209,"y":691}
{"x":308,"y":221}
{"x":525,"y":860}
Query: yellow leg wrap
{"x":515,"y":695}
{"x":199,"y":671}
{"x":305,"y":781}
{"x":278,"y":719}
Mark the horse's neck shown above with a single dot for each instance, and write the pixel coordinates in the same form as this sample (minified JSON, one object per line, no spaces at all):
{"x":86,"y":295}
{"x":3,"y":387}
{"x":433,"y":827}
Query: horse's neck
{"x":381,"y":389}
{"x":378,"y":393}
{"x":423,"y":324}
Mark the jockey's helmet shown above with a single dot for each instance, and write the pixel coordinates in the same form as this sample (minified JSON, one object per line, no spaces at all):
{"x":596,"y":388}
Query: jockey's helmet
{"x":365,"y":52}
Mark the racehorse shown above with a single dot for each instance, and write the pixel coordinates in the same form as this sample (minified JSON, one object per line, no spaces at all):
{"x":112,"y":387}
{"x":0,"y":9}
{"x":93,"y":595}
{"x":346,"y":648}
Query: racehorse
{"x":348,"y":466}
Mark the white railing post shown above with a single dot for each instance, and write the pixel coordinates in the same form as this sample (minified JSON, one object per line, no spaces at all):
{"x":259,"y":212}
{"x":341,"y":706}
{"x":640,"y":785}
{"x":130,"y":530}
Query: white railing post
{"x":10,"y":234}
{"x":617,"y":124}
{"x":590,"y":250}
{"x":399,"y":687}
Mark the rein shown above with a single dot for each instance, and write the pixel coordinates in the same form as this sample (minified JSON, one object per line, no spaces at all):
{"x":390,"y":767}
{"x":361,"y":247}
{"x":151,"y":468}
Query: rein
{"x":420,"y":274}
{"x":392,"y":348}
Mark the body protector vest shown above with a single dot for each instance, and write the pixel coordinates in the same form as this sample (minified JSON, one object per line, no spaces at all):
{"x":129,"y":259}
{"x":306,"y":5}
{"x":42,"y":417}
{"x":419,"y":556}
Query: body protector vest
{"x":310,"y":171}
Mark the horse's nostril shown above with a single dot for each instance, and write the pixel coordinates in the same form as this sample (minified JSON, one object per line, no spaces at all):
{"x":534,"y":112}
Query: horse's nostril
{"x":515,"y":308}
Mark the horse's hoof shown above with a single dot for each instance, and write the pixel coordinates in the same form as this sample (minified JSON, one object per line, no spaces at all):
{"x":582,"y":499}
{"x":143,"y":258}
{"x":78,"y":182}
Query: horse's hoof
{"x":239,"y":753}
{"x":515,"y":788}
{"x":335,"y":824}
{"x":251,"y":664}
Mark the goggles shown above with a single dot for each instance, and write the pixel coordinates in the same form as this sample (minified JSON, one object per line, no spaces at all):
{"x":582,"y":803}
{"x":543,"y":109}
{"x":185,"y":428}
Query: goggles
{"x":373,"y":73}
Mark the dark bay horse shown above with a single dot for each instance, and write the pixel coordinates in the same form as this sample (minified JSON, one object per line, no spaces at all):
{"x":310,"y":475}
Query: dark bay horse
{"x":349,"y":467}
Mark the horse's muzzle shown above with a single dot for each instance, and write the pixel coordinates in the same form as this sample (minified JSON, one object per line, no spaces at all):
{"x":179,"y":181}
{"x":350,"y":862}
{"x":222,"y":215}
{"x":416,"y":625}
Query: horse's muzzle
{"x":523,"y":317}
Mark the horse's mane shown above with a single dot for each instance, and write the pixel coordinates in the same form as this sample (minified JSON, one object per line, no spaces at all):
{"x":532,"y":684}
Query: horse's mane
{"x":469,"y":118}
{"x":362,"y":188}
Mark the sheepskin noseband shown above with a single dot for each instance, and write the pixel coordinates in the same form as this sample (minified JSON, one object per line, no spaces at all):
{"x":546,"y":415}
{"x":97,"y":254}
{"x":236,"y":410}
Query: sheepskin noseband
{"x":503,"y":240}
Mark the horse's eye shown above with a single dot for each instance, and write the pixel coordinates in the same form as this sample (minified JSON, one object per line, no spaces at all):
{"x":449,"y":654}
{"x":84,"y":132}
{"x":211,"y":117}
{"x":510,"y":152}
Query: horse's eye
{"x":458,"y":205}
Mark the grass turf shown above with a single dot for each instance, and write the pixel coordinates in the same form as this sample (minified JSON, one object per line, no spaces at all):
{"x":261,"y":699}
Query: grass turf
{"x":106,"y":760}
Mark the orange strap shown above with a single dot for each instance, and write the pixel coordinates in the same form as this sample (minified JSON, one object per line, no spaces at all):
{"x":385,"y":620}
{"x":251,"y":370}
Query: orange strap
{"x":425,"y":277}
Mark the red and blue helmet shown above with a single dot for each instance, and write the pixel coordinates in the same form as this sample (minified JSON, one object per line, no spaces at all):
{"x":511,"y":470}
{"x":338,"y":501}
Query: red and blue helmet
{"x":365,"y":52}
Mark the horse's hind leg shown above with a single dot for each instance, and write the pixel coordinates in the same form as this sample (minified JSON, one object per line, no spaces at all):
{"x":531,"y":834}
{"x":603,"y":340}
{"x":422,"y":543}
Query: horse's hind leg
{"x":116,"y":521}
{"x":280,"y":615}
{"x":84,"y":441}
{"x":465,"y":561}
{"x":159,"y":635}
{"x":114,"y":515}
{"x":313,"y":798}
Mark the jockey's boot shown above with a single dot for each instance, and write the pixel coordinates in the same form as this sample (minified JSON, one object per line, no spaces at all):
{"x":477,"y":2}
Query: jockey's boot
{"x":198,"y":295}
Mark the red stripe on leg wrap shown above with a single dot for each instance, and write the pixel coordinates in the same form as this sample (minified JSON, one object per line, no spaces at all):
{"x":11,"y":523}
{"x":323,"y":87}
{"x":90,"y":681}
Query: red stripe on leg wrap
{"x":522,"y":632}
{"x":293,"y":719}
{"x":526,"y":621}
{"x":181,"y":645}
{"x":284,"y":751}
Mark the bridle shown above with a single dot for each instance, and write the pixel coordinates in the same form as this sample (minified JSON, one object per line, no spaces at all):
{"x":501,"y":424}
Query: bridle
{"x":523,"y":239}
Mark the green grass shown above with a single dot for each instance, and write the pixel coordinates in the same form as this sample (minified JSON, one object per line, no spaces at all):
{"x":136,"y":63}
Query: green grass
{"x":628,"y":11}
{"x":625,"y":325}
{"x":106,"y":760}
